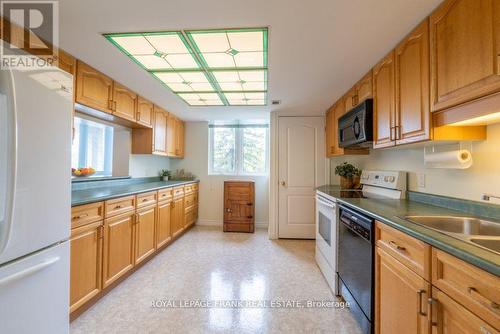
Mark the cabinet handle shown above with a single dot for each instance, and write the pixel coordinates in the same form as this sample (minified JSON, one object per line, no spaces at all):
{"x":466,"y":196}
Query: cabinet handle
{"x":228,"y":210}
{"x":137,"y":218}
{"x":477,"y":295}
{"x":249,"y":217}
{"x":249,"y":204}
{"x":397,"y":132}
{"x":138,"y":115}
{"x":433,"y":304}
{"x":80,"y":216}
{"x":114,"y":105}
{"x":396,"y":246}
{"x":391,"y":138}
{"x":144,"y":199}
{"x":419,"y":294}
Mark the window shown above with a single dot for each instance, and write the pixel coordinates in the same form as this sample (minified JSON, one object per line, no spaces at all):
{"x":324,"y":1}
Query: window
{"x":93,"y":146}
{"x":238,"y":149}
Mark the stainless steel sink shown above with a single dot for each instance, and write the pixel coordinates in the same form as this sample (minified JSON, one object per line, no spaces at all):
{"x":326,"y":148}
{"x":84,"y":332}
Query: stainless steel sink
{"x":480,"y":232}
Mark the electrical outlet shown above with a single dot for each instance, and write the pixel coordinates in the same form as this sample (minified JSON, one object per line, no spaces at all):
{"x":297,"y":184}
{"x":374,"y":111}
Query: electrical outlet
{"x":421,"y":180}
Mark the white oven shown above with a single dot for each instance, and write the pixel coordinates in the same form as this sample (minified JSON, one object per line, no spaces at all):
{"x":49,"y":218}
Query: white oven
{"x":326,"y":239}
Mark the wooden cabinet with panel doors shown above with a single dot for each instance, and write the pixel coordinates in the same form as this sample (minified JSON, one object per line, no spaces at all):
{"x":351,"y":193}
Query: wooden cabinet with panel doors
{"x":239,"y":206}
{"x":124,"y":102}
{"x":145,"y":112}
{"x":163,"y":222}
{"x":420,"y":289}
{"x":361,"y":91}
{"x":177,"y":214}
{"x":179,"y":139}
{"x":93,"y":89}
{"x":175,"y":137}
{"x":144,"y":232}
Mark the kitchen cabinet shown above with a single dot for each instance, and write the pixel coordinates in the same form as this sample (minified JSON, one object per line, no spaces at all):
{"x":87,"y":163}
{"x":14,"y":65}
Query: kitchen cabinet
{"x":179,"y":139}
{"x":118,"y":256}
{"x":177,"y":216}
{"x":329,"y":133}
{"x":66,"y":62}
{"x":384,"y":103}
{"x":464,"y":51}
{"x":171,"y":136}
{"x":349,"y":99}
{"x":145,"y":112}
{"x":412,"y":113}
{"x":239,"y":207}
{"x":85,"y":269}
{"x":400,"y":297}
{"x":93,"y":89}
{"x":163,"y":227}
{"x":160,"y":131}
{"x":361,"y":91}
{"x":449,"y":317}
{"x":144,"y":233}
{"x":124,"y":102}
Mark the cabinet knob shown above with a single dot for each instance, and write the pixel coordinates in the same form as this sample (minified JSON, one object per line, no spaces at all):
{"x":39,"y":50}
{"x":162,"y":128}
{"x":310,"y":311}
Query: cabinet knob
{"x":249,"y":217}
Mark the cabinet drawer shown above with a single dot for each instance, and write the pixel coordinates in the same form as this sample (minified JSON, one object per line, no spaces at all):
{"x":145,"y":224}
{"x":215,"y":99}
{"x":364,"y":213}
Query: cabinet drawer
{"x":119,"y":205}
{"x":472,"y":287}
{"x":189,"y":188}
{"x":413,"y":253}
{"x":189,"y":201}
{"x":165,"y":194}
{"x":195,"y":186}
{"x":86,"y":214}
{"x":178,"y":192}
{"x":146,"y":199}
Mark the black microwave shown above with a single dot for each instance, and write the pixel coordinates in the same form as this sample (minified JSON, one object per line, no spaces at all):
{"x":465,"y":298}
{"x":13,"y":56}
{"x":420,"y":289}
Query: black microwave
{"x":356,"y":126}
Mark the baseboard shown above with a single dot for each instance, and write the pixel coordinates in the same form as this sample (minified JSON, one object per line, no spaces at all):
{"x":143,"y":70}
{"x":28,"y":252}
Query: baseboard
{"x":208,"y":222}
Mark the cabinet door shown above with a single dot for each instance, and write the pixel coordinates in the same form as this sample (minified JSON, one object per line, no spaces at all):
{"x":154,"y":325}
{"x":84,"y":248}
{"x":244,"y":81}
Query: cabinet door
{"x":449,"y":317}
{"x":124,"y":102}
{"x":66,"y":62}
{"x":93,"y":88}
{"x":160,"y":131}
{"x":465,"y":51}
{"x":364,"y":88}
{"x":145,"y":233}
{"x":118,"y":247}
{"x":338,"y":111}
{"x":384,"y":103}
{"x":179,"y":141}
{"x":163,"y":224}
{"x":85,"y":265}
{"x":177,"y":216}
{"x":171,"y":136}
{"x":412,"y":87}
{"x":145,"y":110}
{"x":350,"y":99}
{"x":238,"y":202}
{"x":329,"y":132}
{"x":400,"y":298}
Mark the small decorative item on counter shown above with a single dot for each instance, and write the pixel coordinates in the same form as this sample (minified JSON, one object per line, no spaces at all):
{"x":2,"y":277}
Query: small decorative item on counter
{"x":82,"y":171}
{"x":180,"y":175}
{"x":349,"y":175}
{"x":165,"y":174}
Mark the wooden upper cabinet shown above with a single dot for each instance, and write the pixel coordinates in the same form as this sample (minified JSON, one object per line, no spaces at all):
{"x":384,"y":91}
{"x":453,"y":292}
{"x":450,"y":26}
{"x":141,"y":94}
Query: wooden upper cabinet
{"x":93,"y":88}
{"x":124,"y":102}
{"x":171,"y":136}
{"x":400,"y":298}
{"x":66,"y":62}
{"x":329,"y":132}
{"x":465,"y":51}
{"x":412,"y":87}
{"x":85,"y":269}
{"x":364,"y":88}
{"x":160,"y":131}
{"x":145,"y":112}
{"x":179,"y":139}
{"x":384,"y":103}
{"x":338,"y":111}
{"x":350,"y":99}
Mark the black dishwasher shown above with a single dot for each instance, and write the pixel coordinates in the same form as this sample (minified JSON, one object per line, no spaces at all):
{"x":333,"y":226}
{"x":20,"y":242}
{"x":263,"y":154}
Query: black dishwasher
{"x":355,"y":265}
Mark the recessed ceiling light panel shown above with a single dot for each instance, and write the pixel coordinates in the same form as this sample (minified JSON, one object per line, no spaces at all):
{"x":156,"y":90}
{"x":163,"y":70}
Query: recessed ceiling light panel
{"x":203,"y":67}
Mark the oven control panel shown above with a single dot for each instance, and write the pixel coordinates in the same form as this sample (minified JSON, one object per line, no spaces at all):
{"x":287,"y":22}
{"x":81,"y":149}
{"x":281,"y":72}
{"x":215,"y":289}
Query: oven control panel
{"x":387,"y":179}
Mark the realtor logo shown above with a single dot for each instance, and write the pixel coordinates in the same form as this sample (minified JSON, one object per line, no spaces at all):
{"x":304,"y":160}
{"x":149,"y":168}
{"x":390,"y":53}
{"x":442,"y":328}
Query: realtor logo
{"x":30,"y":33}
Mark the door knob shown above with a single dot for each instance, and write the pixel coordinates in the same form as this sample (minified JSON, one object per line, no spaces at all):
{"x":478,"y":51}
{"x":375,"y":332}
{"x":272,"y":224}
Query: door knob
{"x":283,"y":183}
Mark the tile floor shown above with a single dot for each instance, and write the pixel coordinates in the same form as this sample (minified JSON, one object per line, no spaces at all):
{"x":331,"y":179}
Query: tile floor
{"x":208,"y":265}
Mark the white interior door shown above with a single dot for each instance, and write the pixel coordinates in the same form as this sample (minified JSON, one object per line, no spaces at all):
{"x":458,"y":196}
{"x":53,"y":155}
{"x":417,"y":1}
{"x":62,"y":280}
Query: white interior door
{"x":302,"y":168}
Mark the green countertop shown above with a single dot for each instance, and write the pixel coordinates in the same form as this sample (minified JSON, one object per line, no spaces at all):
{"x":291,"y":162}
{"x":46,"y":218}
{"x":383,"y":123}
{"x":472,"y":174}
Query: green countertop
{"x":96,"y":194}
{"x":389,"y":212}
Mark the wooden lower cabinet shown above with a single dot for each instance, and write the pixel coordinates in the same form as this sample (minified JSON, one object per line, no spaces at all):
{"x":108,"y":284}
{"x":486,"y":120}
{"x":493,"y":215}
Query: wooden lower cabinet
{"x":177,"y":216}
{"x":85,"y":268}
{"x":163,"y":228}
{"x":400,"y":298}
{"x":239,"y":208}
{"x":449,"y":317}
{"x":144,"y":231}
{"x":118,"y":247}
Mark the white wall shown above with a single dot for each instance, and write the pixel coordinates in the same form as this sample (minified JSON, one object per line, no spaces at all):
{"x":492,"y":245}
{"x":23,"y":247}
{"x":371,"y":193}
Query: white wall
{"x":211,"y":186}
{"x":147,"y":165}
{"x":482,"y":177}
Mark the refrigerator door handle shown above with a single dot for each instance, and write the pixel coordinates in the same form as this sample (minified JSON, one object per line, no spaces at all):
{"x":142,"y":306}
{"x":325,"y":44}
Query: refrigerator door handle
{"x":8,"y":163}
{"x":29,"y":271}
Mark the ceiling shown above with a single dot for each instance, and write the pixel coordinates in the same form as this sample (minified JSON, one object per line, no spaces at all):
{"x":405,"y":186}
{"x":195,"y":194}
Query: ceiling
{"x":317,"y":49}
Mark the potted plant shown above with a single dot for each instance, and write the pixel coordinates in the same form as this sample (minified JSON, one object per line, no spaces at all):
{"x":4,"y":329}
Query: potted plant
{"x":348,"y":174}
{"x":165,"y":174}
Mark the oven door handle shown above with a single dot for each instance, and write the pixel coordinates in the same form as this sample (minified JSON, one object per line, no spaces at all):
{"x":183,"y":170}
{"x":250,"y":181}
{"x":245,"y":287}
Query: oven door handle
{"x":324,"y":202}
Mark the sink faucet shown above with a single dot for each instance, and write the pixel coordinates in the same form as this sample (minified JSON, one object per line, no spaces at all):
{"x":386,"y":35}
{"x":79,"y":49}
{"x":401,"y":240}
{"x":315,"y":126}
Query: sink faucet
{"x":486,"y":197}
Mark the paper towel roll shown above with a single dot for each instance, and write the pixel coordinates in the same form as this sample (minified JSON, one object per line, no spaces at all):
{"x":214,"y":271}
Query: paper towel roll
{"x":457,"y":159}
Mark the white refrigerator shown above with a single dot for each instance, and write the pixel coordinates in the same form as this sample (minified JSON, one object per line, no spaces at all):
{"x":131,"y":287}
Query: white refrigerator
{"x":35,"y":200}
